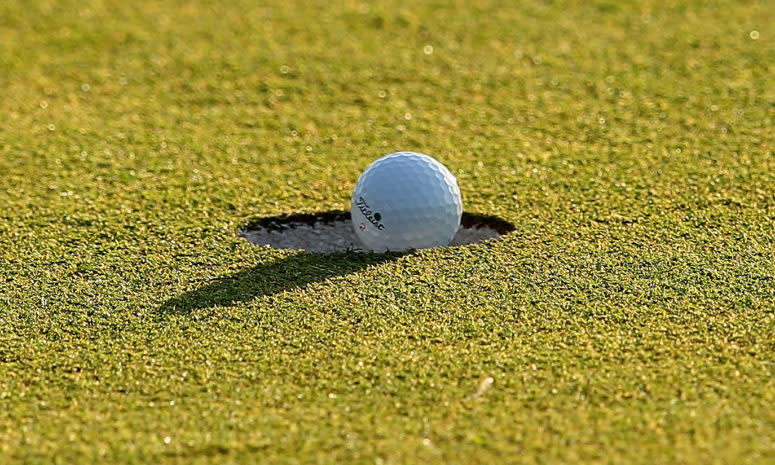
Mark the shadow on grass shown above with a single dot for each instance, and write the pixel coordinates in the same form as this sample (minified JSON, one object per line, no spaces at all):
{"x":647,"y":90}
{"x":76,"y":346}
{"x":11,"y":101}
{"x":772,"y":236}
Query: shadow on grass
{"x":299,"y":270}
{"x":293,"y":272}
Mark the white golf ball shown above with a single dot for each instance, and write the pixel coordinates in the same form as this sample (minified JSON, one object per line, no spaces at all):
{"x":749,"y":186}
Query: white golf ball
{"x":406,"y":200}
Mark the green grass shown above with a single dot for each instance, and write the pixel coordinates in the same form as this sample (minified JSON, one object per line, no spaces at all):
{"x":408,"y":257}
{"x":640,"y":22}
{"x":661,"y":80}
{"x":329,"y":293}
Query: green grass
{"x":629,"y":318}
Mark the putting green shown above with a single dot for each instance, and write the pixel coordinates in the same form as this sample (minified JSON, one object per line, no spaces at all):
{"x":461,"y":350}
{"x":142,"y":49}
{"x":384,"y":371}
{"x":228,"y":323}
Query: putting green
{"x":629,"y":317}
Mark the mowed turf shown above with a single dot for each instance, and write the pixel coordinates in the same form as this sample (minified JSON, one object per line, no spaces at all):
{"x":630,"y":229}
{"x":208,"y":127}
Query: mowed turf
{"x":629,"y":318}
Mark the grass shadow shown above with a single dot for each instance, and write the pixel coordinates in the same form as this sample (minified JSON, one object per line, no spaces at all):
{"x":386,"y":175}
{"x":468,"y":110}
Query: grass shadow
{"x":293,"y":272}
{"x":298,"y":270}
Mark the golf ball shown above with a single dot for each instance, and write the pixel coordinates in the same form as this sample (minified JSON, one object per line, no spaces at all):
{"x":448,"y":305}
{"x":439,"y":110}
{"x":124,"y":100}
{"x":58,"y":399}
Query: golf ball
{"x":406,"y":200}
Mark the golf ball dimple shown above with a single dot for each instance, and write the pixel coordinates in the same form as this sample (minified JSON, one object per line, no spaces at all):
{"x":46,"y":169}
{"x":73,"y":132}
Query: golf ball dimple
{"x":406,"y":200}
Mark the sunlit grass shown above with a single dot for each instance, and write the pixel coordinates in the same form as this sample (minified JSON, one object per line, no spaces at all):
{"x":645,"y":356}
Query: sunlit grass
{"x":628,"y":318}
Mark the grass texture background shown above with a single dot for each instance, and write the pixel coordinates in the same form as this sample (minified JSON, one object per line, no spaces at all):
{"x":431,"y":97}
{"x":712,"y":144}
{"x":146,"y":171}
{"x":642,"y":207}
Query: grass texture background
{"x":629,"y":318}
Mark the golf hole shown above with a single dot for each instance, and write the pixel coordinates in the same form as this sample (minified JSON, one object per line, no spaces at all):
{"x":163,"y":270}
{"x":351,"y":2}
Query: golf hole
{"x":332,"y":231}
